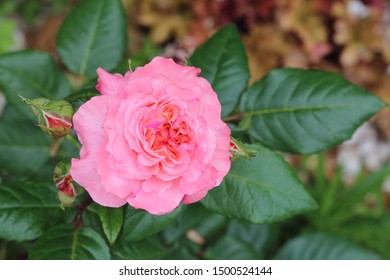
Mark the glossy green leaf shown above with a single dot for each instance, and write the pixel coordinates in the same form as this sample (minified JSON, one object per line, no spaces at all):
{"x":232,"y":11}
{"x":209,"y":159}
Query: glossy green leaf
{"x":231,"y":248}
{"x":224,"y":64}
{"x":372,"y":232}
{"x":139,"y":224}
{"x":112,"y":220}
{"x":146,"y":249}
{"x":32,"y":74}
{"x":262,"y":189}
{"x":23,"y":147}
{"x":93,"y":35}
{"x":66,"y":243}
{"x":322,"y":246}
{"x":302,"y":111}
{"x":27,"y":209}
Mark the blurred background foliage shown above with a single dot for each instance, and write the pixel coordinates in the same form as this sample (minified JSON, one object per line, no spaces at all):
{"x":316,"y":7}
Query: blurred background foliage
{"x":349,"y":182}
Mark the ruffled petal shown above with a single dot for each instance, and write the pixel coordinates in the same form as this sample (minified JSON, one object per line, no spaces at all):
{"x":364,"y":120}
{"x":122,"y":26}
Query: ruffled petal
{"x":88,"y":125}
{"x":111,"y":84}
{"x":188,"y":199}
{"x":158,"y":203}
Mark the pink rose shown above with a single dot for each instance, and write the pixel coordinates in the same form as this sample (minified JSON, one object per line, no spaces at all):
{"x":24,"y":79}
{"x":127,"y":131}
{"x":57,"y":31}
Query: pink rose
{"x":153,"y":139}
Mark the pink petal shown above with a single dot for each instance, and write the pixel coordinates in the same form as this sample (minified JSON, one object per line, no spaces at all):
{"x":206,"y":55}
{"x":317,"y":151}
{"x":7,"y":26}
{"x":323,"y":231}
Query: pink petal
{"x":111,"y":84}
{"x":157,"y":203}
{"x":83,"y":171}
{"x":156,"y":185}
{"x":221,"y":158}
{"x":188,"y":199}
{"x":87,"y":123}
{"x":203,"y":183}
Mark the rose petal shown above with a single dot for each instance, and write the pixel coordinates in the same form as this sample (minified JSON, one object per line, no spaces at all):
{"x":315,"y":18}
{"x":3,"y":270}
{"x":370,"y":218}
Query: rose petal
{"x":194,"y":197}
{"x":221,"y":158}
{"x":87,"y":123}
{"x":84,"y":172}
{"x":156,"y":185}
{"x":111,"y":84}
{"x":158,"y":203}
{"x":204,"y":182}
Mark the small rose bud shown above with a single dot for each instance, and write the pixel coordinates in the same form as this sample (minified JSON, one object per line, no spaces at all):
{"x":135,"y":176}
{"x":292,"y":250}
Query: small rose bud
{"x":64,"y":183}
{"x":238,"y":149}
{"x":54,"y":117}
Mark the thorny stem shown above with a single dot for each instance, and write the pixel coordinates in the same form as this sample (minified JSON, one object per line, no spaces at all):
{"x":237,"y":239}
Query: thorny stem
{"x":78,"y":219}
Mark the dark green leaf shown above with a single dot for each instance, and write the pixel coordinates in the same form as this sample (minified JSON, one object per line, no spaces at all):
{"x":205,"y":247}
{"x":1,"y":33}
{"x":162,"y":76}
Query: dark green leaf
{"x":211,"y":224}
{"x":79,"y":97}
{"x":304,"y":111}
{"x":66,"y":243}
{"x":146,"y":249}
{"x":321,"y":246}
{"x":260,"y":237}
{"x":190,"y":217}
{"x":27,"y":209}
{"x":112,"y":220}
{"x":139,"y":224}
{"x":373,"y":233}
{"x":262,"y":189}
{"x":32,"y":74}
{"x":93,"y":35}
{"x":231,"y":248}
{"x":184,"y":249}
{"x":23,"y":147}
{"x":224,"y":64}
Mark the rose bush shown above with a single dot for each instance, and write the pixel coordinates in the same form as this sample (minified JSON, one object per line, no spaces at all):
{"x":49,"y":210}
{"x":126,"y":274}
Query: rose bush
{"x":153,"y":138}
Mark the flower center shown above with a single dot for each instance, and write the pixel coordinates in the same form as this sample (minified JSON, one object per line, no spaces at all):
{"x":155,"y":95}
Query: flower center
{"x":168,"y":134}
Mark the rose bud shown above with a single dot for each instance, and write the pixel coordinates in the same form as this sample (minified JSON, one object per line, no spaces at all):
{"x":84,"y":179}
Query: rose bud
{"x":64,"y":183}
{"x":238,"y":149}
{"x":54,"y":117}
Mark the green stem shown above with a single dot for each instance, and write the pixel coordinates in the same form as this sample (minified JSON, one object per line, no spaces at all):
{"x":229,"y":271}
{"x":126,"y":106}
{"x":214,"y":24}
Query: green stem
{"x":55,"y":145}
{"x":73,"y":141}
{"x":238,"y":116}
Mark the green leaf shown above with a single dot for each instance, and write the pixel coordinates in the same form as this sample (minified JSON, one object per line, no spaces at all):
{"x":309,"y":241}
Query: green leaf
{"x":231,"y":248}
{"x":224,"y":64}
{"x":27,"y":209}
{"x":66,"y":243}
{"x":368,"y":184}
{"x":79,"y":97}
{"x":184,"y":249}
{"x":139,"y":224}
{"x":262,"y":189}
{"x":322,"y":246}
{"x":260,"y":237}
{"x":147,"y":249}
{"x":32,"y":74}
{"x":23,"y":147}
{"x":93,"y":35}
{"x":373,"y":233}
{"x":303,"y":111}
{"x":112,"y":220}
{"x":192,"y":216}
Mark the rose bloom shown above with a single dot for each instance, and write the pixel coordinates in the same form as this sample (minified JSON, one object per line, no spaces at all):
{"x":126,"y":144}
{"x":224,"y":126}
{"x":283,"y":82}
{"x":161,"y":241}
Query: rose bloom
{"x":153,"y":138}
